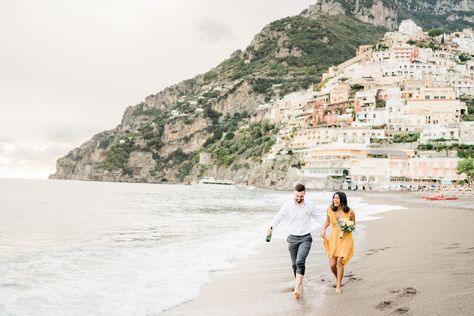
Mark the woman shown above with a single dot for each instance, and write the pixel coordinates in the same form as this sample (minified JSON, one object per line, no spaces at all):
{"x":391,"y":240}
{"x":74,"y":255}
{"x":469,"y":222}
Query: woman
{"x":339,"y":250}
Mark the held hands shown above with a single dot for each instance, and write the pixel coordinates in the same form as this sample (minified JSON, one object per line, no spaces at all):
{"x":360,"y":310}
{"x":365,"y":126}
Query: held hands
{"x":323,"y":234}
{"x":269,"y":231}
{"x":269,"y":234}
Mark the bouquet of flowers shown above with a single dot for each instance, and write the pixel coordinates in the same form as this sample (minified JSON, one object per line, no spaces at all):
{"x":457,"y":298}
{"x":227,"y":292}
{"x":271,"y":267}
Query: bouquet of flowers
{"x":346,"y":225}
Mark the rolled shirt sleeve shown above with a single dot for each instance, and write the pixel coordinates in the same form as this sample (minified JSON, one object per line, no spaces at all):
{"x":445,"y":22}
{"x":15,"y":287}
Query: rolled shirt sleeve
{"x":316,"y":217}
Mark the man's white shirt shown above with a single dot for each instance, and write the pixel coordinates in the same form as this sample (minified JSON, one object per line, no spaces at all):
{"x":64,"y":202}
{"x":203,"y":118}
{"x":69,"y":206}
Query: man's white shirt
{"x":298,"y":215}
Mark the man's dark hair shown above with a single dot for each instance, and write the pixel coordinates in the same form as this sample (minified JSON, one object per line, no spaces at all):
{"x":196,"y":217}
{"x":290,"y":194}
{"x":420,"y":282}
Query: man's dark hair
{"x":299,"y":187}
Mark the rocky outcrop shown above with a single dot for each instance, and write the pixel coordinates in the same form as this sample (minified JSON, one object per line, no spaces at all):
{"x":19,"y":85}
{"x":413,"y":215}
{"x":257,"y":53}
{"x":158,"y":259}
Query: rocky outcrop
{"x":241,"y":98}
{"x":165,"y":99}
{"x":142,"y":164}
{"x":330,"y":7}
{"x":440,"y":7}
{"x":389,"y":13}
{"x":80,"y":163}
{"x":377,"y":13}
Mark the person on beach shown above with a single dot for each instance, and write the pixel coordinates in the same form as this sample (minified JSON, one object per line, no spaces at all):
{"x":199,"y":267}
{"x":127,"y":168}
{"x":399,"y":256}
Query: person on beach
{"x":299,"y":214}
{"x":339,"y":250}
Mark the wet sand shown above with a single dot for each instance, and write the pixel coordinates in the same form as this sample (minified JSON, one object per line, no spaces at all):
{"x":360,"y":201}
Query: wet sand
{"x":415,"y":261}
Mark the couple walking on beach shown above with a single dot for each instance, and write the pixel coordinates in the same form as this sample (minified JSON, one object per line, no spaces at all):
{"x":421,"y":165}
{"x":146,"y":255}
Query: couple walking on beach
{"x":339,"y":247}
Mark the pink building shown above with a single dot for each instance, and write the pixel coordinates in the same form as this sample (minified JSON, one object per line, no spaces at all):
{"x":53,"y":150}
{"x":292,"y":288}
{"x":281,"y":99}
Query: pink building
{"x":406,"y":53}
{"x":433,"y":168}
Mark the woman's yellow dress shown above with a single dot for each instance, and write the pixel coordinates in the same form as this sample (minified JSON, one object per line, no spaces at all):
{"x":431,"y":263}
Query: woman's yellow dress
{"x":335,"y":246}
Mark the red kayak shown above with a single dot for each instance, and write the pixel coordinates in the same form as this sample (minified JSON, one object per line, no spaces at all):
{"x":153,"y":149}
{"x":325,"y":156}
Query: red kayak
{"x":440,"y":197}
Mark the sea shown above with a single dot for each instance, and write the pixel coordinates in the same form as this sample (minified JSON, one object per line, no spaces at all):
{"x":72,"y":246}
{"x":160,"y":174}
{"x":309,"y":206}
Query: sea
{"x":100,"y":248}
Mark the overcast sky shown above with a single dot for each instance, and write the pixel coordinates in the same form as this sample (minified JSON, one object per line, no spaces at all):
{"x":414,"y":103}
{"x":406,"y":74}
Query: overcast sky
{"x":68,"y":68}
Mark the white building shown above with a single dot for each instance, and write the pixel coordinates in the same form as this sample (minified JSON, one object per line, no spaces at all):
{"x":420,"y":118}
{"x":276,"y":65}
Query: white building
{"x":439,"y":132}
{"x":438,"y":111}
{"x":466,"y":133}
{"x":371,"y":117}
{"x":392,"y":93}
{"x":381,"y":56}
{"x":466,"y":45}
{"x":366,"y":98}
{"x":312,"y":137}
{"x":408,"y":70}
{"x":463,"y":83}
{"x":395,"y":38}
{"x":290,"y":107}
{"x":410,"y":28}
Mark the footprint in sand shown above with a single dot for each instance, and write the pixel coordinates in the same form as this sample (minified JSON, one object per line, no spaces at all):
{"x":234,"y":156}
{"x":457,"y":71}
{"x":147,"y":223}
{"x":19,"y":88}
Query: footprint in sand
{"x":384,"y":305}
{"x":355,"y":279}
{"x":375,"y":250}
{"x":401,"y":297}
{"x":401,"y":310}
{"x":409,"y":291}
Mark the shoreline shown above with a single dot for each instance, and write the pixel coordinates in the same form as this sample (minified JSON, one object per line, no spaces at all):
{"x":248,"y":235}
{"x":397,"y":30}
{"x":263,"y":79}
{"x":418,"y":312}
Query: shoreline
{"x":391,"y":272}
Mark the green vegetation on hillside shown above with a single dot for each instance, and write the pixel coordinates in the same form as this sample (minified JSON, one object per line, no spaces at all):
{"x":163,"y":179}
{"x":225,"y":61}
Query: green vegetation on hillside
{"x":406,"y":138}
{"x":117,"y":157}
{"x":250,"y":143}
{"x":463,"y":150}
{"x":310,"y":46}
{"x":426,"y":19}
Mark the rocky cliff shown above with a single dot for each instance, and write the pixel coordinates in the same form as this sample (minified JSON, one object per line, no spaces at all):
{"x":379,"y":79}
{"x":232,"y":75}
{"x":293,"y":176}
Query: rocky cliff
{"x":449,"y":14}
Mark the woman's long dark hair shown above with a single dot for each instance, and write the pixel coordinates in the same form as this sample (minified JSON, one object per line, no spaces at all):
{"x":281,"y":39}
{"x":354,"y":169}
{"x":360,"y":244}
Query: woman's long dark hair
{"x":343,"y":199}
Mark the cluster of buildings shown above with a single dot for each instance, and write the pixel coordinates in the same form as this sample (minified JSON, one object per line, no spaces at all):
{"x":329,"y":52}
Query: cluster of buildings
{"x":364,"y":121}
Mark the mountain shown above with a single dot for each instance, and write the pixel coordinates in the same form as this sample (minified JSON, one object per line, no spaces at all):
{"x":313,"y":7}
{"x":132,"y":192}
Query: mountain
{"x":161,"y":138}
{"x":452,"y":15}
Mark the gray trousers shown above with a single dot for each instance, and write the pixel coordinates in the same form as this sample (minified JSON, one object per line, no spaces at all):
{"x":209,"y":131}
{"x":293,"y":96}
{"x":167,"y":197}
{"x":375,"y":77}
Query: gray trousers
{"x":299,"y":247}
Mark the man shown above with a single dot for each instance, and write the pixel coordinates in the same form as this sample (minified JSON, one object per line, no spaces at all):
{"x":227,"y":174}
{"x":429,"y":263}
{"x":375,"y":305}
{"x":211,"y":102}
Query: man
{"x":299,"y":213}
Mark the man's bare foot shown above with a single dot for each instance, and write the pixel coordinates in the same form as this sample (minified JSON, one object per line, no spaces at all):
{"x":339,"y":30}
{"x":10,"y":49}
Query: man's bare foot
{"x":338,"y":290}
{"x":297,"y":295}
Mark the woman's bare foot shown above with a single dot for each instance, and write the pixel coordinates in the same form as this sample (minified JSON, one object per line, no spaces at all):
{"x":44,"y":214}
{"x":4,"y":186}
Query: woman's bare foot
{"x":338,"y":290}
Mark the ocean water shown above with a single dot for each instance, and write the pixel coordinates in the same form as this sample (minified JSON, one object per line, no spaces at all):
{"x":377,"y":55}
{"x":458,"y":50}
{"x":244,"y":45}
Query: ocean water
{"x":90,"y":248}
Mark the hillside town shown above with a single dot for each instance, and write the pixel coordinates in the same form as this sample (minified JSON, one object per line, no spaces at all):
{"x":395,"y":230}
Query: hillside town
{"x":378,"y":120}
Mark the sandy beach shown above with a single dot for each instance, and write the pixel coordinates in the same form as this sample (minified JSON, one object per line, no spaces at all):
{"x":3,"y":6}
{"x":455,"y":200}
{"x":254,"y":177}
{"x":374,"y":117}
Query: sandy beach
{"x":414,"y":261}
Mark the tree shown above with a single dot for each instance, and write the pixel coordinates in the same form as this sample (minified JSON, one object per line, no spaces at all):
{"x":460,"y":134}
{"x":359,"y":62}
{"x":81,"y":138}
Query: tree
{"x":435,"y":32}
{"x":464,"y":57}
{"x":466,"y":166}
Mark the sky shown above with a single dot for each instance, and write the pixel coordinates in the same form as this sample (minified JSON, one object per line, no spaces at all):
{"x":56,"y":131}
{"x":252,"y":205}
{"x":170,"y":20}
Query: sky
{"x":68,"y":68}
